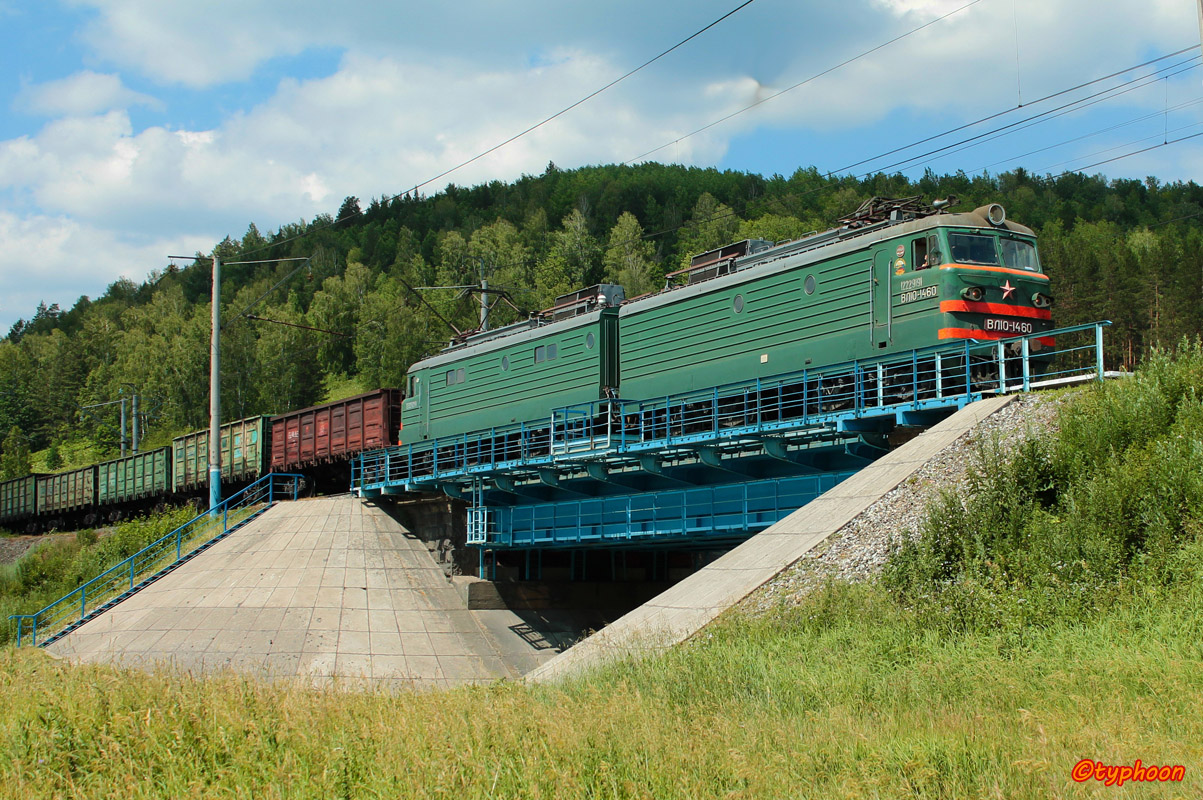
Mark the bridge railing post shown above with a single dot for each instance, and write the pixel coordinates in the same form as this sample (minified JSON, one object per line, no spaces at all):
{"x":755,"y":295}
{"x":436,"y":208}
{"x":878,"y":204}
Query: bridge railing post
{"x":914,"y":379}
{"x":1002,"y":368}
{"x":1098,"y":350}
{"x":1027,"y":366}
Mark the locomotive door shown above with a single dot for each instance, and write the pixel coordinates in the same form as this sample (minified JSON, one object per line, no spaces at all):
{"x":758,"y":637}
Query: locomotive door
{"x":880,"y":332}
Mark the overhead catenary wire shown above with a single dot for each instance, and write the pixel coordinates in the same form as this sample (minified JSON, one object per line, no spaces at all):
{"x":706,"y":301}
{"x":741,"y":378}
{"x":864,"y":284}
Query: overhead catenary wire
{"x":1004,"y":112}
{"x":812,"y":78}
{"x":1117,"y":126}
{"x":531,"y":128}
{"x":1075,"y":105}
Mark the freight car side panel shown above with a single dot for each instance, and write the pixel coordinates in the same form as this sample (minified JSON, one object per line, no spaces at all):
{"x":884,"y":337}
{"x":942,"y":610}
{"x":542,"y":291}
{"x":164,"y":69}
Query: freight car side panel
{"x":18,"y":499}
{"x":67,"y":491}
{"x":243,"y":452}
{"x":335,"y":430}
{"x":134,"y":477}
{"x":519,"y":378}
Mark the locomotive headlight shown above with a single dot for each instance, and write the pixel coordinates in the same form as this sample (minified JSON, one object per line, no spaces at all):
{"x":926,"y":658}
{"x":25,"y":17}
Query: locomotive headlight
{"x":974,"y":294}
{"x":1041,"y":300}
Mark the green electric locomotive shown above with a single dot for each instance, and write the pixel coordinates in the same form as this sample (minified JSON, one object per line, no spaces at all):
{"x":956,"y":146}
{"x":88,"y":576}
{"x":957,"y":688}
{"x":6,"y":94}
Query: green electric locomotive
{"x":895,"y":276}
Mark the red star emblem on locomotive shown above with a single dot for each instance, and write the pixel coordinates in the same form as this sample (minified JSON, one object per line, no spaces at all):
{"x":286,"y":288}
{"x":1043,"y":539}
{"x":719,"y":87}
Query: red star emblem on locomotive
{"x":1008,"y":289}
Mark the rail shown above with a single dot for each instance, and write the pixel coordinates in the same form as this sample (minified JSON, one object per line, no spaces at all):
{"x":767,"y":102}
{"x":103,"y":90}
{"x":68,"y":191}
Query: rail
{"x":930,"y":378}
{"x":153,"y":561}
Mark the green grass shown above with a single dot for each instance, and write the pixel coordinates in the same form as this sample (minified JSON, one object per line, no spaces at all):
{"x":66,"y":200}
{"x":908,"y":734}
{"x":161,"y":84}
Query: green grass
{"x":340,"y":387}
{"x":846,"y":695}
{"x":73,"y":455}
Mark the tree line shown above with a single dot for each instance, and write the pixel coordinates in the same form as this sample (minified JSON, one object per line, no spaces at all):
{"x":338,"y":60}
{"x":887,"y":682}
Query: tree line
{"x":1126,"y":250}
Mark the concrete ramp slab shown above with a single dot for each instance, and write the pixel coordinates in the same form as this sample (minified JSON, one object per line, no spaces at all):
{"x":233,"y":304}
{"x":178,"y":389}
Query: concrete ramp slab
{"x":681,"y":611}
{"x":328,"y":590}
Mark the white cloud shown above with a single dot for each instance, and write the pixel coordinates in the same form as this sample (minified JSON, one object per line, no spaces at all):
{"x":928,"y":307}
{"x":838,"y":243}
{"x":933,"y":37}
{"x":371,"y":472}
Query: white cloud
{"x":81,"y":94}
{"x":376,"y":127}
{"x":414,"y":94}
{"x":58,"y":252}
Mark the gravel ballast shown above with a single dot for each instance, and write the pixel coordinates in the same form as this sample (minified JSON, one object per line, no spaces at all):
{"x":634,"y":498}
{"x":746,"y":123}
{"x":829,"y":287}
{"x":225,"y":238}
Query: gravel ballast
{"x":858,"y":550}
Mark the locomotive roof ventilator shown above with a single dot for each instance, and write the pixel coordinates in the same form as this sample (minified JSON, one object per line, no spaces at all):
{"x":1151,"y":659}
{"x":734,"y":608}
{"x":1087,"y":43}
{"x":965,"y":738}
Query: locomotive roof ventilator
{"x":995,"y":214}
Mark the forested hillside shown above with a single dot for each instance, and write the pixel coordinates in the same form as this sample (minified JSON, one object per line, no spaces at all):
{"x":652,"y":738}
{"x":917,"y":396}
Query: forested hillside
{"x":1127,"y":250}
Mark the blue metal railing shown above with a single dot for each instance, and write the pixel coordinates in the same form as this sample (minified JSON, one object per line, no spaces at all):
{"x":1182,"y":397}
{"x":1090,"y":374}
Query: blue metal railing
{"x":928,"y":378}
{"x":148,"y":564}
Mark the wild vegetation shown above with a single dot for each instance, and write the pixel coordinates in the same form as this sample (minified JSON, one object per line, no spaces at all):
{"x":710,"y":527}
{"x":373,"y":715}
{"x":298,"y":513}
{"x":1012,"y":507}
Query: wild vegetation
{"x":62,"y":563}
{"x":1047,"y":615}
{"x":1129,"y":251}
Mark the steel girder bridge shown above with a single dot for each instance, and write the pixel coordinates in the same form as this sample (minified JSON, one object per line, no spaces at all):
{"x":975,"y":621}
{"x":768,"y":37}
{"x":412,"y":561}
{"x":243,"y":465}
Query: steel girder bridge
{"x":708,"y":468}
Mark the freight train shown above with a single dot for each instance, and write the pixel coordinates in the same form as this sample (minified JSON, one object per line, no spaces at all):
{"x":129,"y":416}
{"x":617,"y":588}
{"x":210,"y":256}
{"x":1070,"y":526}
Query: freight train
{"x":895,"y":276}
{"x":318,"y":440}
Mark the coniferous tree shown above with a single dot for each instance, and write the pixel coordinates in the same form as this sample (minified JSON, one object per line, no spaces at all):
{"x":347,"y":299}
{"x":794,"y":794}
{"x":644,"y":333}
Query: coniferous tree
{"x":14,"y":461}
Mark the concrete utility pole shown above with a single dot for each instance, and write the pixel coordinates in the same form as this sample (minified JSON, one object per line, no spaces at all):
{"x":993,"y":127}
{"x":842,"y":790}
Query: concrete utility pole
{"x":124,"y":441}
{"x":484,"y":297}
{"x":215,"y":391}
{"x":1200,"y":2}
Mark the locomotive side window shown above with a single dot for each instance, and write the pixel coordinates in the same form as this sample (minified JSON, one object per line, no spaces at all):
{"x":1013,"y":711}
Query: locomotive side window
{"x":968,"y":248}
{"x":455,"y":376}
{"x":919,"y":258}
{"x":933,"y":251}
{"x":545,"y":353}
{"x":1019,"y":254}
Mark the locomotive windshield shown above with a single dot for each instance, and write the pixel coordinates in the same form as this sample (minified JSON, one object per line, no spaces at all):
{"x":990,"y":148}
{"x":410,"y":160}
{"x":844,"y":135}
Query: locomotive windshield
{"x":1019,"y":254}
{"x":971,"y":248}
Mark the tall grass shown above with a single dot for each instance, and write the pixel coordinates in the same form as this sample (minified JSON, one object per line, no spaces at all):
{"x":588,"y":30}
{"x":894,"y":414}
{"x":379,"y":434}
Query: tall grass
{"x":845,"y":696}
{"x":60,"y":565}
{"x":1067,"y":525}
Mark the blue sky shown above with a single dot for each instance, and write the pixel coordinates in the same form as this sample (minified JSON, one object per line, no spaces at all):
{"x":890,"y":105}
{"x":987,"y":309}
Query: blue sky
{"x":133,"y":129}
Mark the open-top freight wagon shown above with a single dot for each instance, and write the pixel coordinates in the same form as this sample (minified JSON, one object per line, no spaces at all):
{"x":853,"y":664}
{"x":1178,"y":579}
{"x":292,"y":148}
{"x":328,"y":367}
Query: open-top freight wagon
{"x":243,"y":452}
{"x":335,"y":431}
{"x":18,"y":500}
{"x":133,"y":478}
{"x":319,"y":440}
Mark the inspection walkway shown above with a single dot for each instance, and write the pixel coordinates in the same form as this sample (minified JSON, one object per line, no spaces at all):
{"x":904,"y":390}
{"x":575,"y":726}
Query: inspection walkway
{"x":681,"y":611}
{"x":332,"y":591}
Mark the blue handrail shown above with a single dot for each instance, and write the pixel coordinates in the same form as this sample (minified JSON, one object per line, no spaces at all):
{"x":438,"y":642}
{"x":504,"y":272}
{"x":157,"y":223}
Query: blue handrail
{"x":120,"y":581}
{"x":931,"y":377}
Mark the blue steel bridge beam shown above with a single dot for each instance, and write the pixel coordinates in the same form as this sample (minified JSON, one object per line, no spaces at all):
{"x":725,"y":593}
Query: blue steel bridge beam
{"x":601,"y":473}
{"x":549,"y":477}
{"x":653,"y":466}
{"x":779,"y":449}
{"x":713,"y":457}
{"x":452,"y":490}
{"x":506,"y":484}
